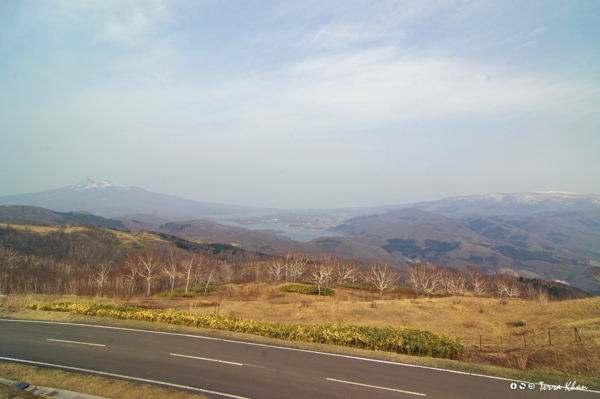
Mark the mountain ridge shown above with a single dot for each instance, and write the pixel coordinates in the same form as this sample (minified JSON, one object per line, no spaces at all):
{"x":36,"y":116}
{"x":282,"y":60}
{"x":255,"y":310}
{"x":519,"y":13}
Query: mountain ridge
{"x":105,"y":199}
{"x":497,"y":204}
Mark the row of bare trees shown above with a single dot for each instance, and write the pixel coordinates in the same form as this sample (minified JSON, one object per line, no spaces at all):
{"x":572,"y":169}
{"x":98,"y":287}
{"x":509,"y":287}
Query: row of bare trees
{"x":424,"y":279}
{"x":167,"y":269}
{"x":137,"y":271}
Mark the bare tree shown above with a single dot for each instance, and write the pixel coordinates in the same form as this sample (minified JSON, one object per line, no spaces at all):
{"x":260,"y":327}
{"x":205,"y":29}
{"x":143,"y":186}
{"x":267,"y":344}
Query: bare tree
{"x":295,"y":266}
{"x":226,"y":274}
{"x":211,"y":272}
{"x":411,"y":277}
{"x":594,"y":272}
{"x":529,"y":291}
{"x":423,"y":278}
{"x":448,"y":281}
{"x":275,"y":270}
{"x":455,"y":282}
{"x":382,"y":277}
{"x":171,"y":268}
{"x":476,"y":280}
{"x":257,"y":268}
{"x":150,"y":267}
{"x":194,"y":270}
{"x":512,"y":290}
{"x":345,"y":272}
{"x":101,"y":274}
{"x":320,"y":272}
{"x":9,"y":258}
{"x":132,"y":269}
{"x":501,"y":287}
{"x":188,"y":270}
{"x":541,"y":294}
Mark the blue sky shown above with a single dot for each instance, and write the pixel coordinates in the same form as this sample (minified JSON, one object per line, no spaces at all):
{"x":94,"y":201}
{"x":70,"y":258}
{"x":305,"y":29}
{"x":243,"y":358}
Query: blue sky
{"x":301,"y":104}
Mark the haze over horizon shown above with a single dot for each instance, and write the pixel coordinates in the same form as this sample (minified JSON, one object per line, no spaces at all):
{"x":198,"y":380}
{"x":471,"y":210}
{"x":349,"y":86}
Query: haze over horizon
{"x":301,"y":105}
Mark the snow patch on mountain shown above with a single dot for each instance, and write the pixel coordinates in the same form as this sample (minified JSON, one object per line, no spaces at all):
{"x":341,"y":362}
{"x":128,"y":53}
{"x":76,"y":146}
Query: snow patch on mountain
{"x":535,"y":197}
{"x":88,"y":183}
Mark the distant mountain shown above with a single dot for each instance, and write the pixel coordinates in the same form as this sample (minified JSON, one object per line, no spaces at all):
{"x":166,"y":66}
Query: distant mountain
{"x":512,"y":204}
{"x":20,"y":214}
{"x":548,"y":245}
{"x":105,"y":199}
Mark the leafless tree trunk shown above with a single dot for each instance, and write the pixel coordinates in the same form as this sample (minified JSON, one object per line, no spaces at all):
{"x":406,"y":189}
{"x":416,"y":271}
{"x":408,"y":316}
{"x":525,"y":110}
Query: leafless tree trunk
{"x":275,"y":270}
{"x":541,"y":294}
{"x":188,"y":269}
{"x":226,"y":273}
{"x":320,"y":272}
{"x":383,"y":278}
{"x":461,"y":282}
{"x":211,"y":273}
{"x":501,"y":287}
{"x":513,"y":290}
{"x":150,"y":267}
{"x":133,"y":268}
{"x":170,"y":268}
{"x":412,"y":279}
{"x":448,"y":281}
{"x":101,"y":275}
{"x":424,"y":278}
{"x":296,"y":265}
{"x":476,"y":280}
{"x":345,"y":272}
{"x":194,"y":269}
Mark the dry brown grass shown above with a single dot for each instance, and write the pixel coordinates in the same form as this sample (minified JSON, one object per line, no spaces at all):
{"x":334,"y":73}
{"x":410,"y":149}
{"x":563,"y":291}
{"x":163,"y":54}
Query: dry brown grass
{"x":127,"y":239}
{"x":8,"y":392}
{"x":468,"y":318}
{"x":41,"y":229}
{"x":90,"y":384}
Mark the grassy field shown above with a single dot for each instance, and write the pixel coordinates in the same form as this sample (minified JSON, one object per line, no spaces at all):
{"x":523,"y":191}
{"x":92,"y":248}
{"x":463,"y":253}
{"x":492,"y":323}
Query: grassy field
{"x":127,"y":239}
{"x":543,"y":340}
{"x":41,"y":229}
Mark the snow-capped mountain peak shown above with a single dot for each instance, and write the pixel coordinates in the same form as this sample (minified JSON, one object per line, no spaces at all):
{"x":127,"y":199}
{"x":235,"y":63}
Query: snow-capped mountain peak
{"x":89,"y":183}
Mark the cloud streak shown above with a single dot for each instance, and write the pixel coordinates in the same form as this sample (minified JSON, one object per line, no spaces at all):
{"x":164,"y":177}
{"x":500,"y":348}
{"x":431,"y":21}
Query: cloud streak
{"x":357,"y":104}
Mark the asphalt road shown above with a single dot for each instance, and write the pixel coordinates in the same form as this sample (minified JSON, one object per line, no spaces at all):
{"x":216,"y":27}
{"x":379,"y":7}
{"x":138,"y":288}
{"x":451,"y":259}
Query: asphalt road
{"x":225,"y":368}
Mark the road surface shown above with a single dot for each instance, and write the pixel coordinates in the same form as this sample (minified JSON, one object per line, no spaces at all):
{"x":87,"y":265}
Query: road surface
{"x":225,"y":368}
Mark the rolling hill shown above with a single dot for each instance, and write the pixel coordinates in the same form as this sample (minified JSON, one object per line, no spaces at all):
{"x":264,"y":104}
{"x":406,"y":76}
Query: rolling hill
{"x":549,"y":245}
{"x":551,"y":235}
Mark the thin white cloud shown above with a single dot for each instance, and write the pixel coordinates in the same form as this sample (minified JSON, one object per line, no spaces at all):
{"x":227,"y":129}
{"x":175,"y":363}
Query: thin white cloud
{"x":336,"y":98}
{"x":537,"y":31}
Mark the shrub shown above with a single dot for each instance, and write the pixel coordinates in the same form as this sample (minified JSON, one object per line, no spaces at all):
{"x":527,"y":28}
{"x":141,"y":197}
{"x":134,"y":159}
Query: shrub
{"x":308,"y":289}
{"x":411,"y":341}
{"x":371,"y":287}
{"x":180,"y":292}
{"x":516,"y":324}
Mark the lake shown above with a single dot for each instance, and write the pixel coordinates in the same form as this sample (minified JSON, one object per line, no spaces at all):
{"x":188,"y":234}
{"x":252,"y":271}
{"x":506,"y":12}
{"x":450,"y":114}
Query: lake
{"x":296,"y":234}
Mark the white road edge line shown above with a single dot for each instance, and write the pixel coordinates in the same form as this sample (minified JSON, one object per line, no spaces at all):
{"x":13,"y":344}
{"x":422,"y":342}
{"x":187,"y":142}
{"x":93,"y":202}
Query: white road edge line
{"x":283,"y":348}
{"x":73,"y":342}
{"x":376,"y":387}
{"x":207,"y":359}
{"x":126,"y":377}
